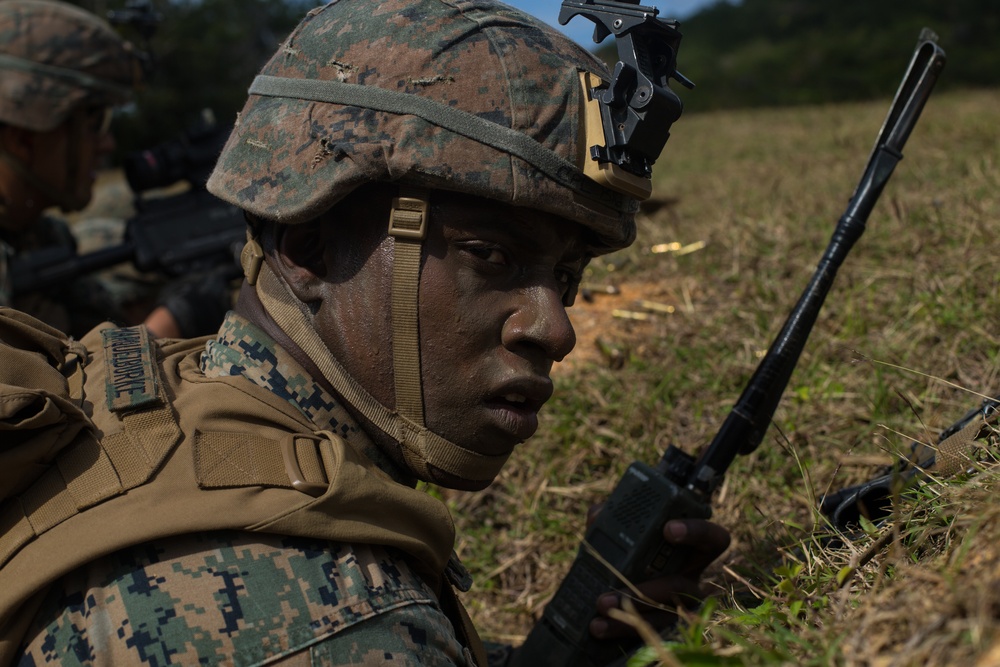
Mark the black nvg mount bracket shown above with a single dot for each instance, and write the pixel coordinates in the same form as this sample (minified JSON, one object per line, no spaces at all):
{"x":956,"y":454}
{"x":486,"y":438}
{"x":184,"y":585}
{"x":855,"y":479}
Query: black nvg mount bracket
{"x":636,"y":107}
{"x":141,"y":16}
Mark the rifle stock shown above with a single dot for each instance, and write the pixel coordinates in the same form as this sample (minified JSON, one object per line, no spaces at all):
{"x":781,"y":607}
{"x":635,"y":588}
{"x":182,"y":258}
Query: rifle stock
{"x":174,"y":236}
{"x":187,"y":233}
{"x":625,"y":542}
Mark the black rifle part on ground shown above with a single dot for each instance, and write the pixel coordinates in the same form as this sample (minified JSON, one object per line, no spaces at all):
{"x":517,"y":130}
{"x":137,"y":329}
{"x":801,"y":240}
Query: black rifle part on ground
{"x":873,"y":499}
{"x":625,"y":541}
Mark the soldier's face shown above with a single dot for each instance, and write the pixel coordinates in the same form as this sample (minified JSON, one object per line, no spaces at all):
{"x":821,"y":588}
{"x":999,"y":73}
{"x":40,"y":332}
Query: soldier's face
{"x":491,"y":313}
{"x":67,"y":158}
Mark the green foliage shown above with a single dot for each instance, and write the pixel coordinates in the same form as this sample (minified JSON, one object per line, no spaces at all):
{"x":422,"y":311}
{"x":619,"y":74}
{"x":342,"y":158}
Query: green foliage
{"x":205,"y":54}
{"x":782,"y":52}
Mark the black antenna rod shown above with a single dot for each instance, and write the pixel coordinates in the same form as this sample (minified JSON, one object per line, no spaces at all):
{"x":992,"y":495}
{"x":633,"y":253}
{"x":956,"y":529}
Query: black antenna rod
{"x":744,"y":427}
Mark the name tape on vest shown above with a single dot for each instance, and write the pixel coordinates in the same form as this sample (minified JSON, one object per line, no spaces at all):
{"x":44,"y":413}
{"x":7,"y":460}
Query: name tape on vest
{"x":130,"y":363}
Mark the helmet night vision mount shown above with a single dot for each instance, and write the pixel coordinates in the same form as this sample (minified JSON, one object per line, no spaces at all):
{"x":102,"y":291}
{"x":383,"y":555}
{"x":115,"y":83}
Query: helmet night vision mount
{"x":628,"y":120}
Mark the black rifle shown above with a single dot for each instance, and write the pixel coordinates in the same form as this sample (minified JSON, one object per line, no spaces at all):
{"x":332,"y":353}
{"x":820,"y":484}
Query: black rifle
{"x":177,"y":235}
{"x":627,"y":533}
{"x":874,"y":499}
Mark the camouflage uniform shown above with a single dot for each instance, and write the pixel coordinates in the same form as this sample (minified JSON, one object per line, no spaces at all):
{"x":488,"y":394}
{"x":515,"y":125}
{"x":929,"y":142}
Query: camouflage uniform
{"x":235,"y":598}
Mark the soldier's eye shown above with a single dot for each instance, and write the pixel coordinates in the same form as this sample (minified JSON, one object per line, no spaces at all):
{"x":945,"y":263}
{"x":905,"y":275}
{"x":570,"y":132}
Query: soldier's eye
{"x":488,"y":253}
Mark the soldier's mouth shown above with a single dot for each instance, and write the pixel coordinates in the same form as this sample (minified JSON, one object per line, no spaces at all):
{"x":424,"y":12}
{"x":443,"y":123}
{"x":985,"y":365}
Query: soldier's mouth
{"x":515,"y":407}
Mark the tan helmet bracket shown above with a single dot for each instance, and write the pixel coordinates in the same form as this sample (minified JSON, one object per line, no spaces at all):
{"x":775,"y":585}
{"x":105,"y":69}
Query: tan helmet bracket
{"x":251,"y":258}
{"x":608,"y":174}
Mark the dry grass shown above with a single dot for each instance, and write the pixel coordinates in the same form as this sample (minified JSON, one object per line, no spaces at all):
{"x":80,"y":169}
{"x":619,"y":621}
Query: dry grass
{"x":762,"y":189}
{"x":941,"y":604}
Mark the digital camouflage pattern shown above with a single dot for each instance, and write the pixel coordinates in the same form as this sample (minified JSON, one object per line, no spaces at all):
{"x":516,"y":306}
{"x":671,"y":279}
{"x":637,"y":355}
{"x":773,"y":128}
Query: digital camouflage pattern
{"x":55,"y":58}
{"x":243,"y":349}
{"x":234,"y":598}
{"x":230,"y":598}
{"x":290,"y":159}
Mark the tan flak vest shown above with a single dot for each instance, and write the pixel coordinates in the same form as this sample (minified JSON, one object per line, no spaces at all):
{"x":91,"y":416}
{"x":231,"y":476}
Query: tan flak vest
{"x":116,"y":440}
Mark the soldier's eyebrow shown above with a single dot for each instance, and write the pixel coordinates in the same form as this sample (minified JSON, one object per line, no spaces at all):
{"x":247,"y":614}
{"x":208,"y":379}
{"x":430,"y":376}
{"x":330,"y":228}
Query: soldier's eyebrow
{"x":541,"y":234}
{"x":526,"y":229}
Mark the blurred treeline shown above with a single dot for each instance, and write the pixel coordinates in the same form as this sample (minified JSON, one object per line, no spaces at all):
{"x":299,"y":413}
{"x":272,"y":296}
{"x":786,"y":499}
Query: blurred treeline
{"x":204,"y":53}
{"x":785,"y":52}
{"x":753,"y":53}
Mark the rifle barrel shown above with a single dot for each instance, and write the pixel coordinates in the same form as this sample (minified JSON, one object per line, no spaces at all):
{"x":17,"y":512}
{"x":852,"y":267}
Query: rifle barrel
{"x":26,"y":278}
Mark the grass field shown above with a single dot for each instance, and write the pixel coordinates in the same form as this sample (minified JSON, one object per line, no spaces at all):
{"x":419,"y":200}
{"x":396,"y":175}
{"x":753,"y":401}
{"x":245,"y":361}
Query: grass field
{"x":906,"y":339}
{"x":745,"y":203}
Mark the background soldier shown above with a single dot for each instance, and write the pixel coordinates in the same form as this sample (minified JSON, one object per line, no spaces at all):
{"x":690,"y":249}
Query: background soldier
{"x":418,"y":353}
{"x":62,"y":71}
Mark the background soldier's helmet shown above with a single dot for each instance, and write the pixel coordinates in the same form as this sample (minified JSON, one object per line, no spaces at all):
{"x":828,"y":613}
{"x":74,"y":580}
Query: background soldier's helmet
{"x":464,"y":95}
{"x":55,"y":58}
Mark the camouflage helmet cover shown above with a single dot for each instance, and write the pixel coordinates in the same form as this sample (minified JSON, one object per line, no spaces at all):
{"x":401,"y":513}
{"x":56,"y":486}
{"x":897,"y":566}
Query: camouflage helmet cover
{"x":54,"y":58}
{"x":462,"y":95}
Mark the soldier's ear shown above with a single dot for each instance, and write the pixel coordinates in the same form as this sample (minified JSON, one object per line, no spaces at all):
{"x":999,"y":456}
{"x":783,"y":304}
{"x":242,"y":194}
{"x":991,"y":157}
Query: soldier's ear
{"x":299,"y":258}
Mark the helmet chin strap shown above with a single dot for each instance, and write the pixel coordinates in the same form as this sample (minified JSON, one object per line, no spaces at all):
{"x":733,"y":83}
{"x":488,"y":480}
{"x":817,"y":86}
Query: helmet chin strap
{"x":408,"y":228}
{"x":425,"y":452}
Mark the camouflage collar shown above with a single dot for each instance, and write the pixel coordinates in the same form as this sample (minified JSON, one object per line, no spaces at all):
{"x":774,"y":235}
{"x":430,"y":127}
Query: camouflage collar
{"x":241,"y":348}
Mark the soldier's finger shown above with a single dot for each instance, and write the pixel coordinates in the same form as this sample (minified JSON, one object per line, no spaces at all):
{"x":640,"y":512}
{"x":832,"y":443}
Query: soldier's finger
{"x":704,"y":540}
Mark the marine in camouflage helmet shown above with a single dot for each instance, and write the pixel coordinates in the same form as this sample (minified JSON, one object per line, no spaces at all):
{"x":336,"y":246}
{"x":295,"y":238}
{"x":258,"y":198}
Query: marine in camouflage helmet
{"x":417,"y":349}
{"x":60,"y":66}
{"x":62,"y":69}
{"x":467,"y":96}
{"x":55,"y":58}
